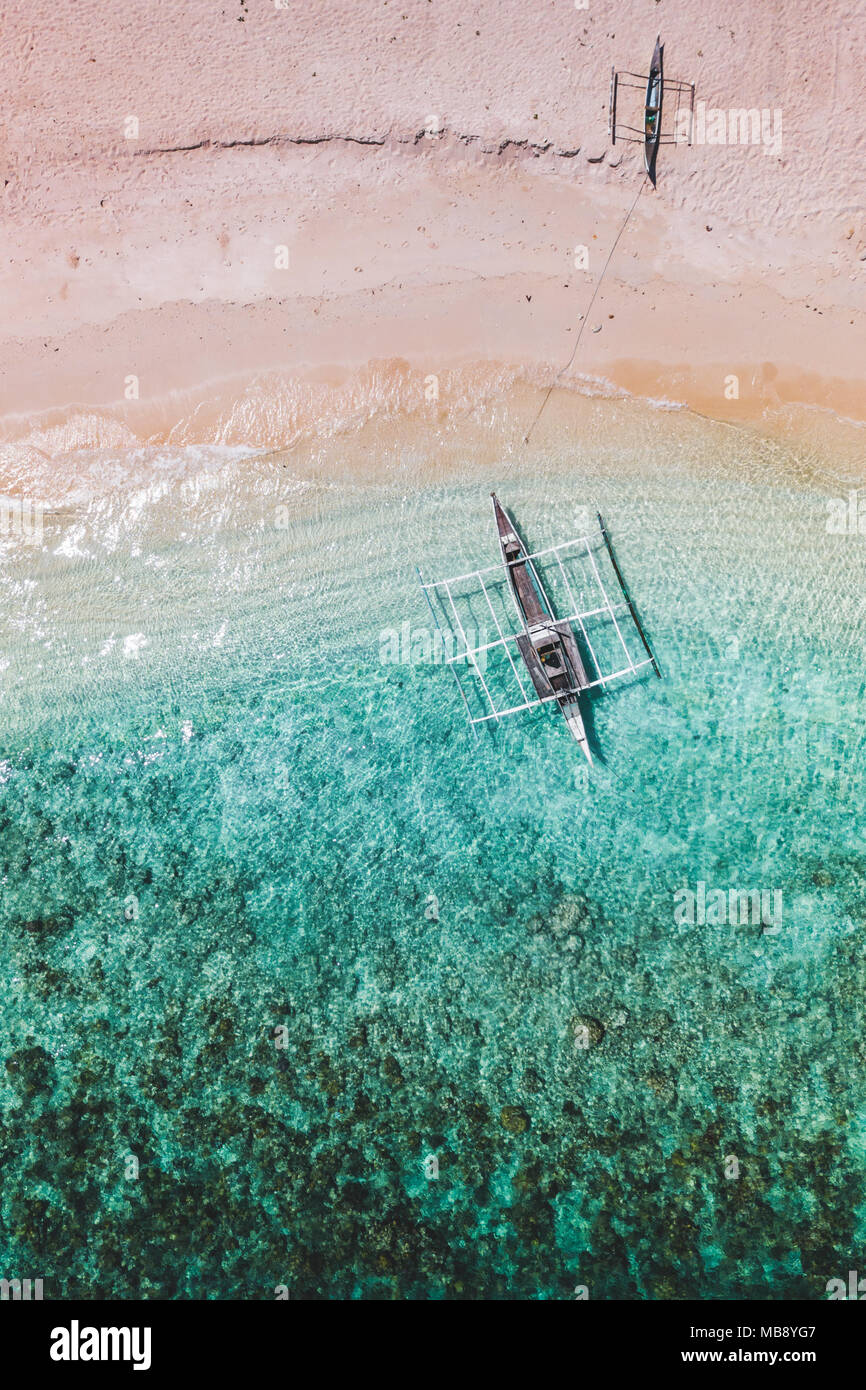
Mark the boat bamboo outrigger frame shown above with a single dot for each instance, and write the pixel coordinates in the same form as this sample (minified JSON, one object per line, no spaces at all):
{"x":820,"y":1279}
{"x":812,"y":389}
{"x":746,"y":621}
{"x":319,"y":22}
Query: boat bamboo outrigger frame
{"x":561,"y":665}
{"x":654,"y":85}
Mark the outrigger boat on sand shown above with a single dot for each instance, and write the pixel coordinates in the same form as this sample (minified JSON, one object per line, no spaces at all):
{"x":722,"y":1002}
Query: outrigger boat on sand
{"x":654,"y":85}
{"x":561,"y":665}
{"x":653,"y":112}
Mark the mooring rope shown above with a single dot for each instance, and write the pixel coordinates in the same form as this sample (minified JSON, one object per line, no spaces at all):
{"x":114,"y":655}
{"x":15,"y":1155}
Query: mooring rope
{"x":564,"y":369}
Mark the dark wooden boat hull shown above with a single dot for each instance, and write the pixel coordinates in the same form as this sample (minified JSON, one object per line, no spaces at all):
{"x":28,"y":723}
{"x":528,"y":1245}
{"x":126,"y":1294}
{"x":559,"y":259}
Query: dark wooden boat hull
{"x":543,"y":689}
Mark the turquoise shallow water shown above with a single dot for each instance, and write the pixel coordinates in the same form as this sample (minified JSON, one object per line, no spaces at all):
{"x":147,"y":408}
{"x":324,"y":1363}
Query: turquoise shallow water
{"x":276,"y":929}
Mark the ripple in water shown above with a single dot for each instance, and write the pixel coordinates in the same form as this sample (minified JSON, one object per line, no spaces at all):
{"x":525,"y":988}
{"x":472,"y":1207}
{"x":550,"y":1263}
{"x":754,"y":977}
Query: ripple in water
{"x":376,"y":1011}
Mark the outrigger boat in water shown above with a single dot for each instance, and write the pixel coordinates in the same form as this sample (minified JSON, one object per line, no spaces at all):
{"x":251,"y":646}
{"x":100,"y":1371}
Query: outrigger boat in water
{"x":549,"y":649}
{"x":561,"y":665}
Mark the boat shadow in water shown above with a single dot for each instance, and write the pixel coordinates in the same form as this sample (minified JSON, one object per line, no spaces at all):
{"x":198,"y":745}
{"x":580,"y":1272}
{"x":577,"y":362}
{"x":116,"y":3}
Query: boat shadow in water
{"x":588,"y":700}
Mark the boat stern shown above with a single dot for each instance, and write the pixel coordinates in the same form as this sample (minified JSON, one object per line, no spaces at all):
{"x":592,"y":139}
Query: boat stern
{"x":574,"y":720}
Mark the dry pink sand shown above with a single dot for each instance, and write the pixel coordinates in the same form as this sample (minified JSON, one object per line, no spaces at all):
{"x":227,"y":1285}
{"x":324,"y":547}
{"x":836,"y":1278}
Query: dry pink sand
{"x":303,"y":127}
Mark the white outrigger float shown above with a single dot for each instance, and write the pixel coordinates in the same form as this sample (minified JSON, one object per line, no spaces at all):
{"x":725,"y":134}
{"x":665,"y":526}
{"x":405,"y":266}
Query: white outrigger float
{"x":549,"y":646}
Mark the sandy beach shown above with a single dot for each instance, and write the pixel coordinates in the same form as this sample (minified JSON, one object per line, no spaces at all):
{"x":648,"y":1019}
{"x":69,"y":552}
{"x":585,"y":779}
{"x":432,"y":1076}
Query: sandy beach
{"x":411,"y":191}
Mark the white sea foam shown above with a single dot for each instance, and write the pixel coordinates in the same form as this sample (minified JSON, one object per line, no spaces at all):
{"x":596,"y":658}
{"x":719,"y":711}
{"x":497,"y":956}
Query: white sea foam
{"x":134,"y":643}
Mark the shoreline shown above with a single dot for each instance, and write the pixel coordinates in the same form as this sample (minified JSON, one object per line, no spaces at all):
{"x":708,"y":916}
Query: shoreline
{"x":280,"y":413}
{"x":732,"y":352}
{"x":377,"y":429}
{"x":673,"y":328}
